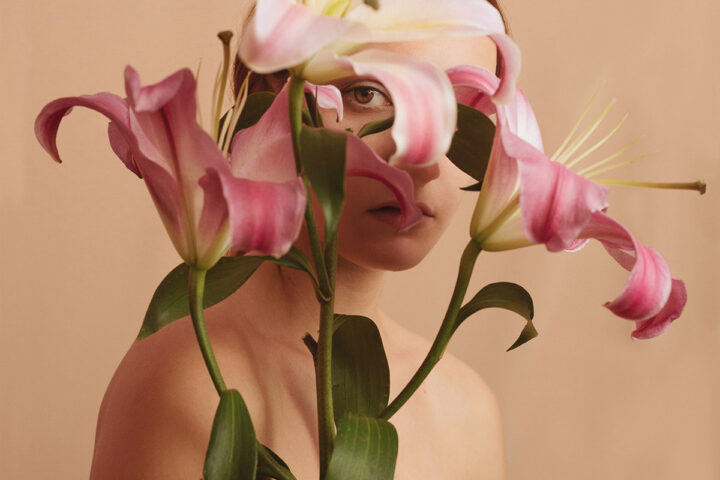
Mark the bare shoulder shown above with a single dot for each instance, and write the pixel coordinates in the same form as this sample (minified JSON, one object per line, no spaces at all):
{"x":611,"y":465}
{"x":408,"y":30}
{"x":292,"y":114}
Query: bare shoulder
{"x":465,"y":413}
{"x":157,"y":412}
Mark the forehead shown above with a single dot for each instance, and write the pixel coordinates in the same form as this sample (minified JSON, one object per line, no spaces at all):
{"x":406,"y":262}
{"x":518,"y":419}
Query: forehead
{"x":447,"y":52}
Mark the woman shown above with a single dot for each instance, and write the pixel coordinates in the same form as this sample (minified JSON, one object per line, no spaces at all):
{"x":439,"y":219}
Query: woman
{"x":157,"y":413}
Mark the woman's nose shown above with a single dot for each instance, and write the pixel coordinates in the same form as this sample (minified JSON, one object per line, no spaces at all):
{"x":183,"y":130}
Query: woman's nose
{"x":423,"y":175}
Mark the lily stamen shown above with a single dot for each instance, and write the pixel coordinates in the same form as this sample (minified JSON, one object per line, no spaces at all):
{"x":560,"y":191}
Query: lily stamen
{"x":616,"y":166}
{"x":593,"y":169}
{"x":575,"y":127}
{"x":236,"y":110}
{"x":598,"y":144}
{"x":221,"y":81}
{"x":699,"y":185}
{"x":590,"y":130}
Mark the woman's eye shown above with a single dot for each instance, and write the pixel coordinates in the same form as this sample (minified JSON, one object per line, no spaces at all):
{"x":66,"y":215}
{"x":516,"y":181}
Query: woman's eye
{"x":367,"y":97}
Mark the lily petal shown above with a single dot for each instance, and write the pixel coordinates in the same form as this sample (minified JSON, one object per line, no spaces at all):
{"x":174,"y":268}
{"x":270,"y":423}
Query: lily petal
{"x":400,"y":20}
{"x":283,"y":34}
{"x":423,"y":129}
{"x":654,"y":326}
{"x":362,"y":161}
{"x":328,"y":97}
{"x":264,"y":217}
{"x":112,"y":106}
{"x":556,"y":203}
{"x":649,"y":287}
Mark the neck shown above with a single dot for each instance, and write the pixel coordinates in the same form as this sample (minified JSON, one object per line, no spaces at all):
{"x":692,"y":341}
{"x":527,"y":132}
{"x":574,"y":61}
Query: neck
{"x":278,"y":304}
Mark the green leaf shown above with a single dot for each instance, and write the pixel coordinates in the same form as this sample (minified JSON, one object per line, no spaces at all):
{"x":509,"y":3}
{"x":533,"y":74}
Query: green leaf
{"x":365,"y":449}
{"x":360,"y":373}
{"x":170,"y":300}
{"x":472,"y":143}
{"x":376,"y":126}
{"x":505,"y":295}
{"x":232,"y":452}
{"x":271,"y":465}
{"x":475,"y":187}
{"x":323,"y":159}
{"x":375,"y":4}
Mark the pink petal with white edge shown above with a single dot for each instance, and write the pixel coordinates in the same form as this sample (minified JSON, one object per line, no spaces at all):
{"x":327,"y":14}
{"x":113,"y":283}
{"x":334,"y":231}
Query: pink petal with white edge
{"x":327,"y":96}
{"x":265,"y":217}
{"x":422,"y":130}
{"x":475,"y":86}
{"x":283,"y":34}
{"x":112,"y":106}
{"x":556,"y":203}
{"x":654,"y":326}
{"x":400,"y":20}
{"x":648,"y":290}
{"x":362,"y":161}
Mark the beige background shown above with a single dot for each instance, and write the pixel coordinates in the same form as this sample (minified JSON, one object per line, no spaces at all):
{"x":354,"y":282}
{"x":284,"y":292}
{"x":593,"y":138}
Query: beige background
{"x":82,"y":249}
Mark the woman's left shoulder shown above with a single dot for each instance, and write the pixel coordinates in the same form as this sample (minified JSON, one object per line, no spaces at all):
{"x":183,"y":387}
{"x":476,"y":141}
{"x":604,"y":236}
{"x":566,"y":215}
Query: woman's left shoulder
{"x":463,"y":409}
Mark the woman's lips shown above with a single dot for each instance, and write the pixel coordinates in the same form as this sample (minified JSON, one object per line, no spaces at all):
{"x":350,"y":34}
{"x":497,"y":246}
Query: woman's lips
{"x":390,"y":212}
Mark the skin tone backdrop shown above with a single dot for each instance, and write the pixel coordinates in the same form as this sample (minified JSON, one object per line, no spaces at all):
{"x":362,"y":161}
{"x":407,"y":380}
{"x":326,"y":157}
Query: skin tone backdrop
{"x":84,"y":248}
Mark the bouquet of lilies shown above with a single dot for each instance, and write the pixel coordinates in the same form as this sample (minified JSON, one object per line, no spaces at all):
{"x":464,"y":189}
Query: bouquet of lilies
{"x":238,"y":195}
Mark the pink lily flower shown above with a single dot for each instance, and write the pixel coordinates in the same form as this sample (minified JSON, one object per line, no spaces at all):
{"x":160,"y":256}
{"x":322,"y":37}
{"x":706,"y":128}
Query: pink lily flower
{"x":207,"y":201}
{"x":527,"y":199}
{"x":322,"y":40}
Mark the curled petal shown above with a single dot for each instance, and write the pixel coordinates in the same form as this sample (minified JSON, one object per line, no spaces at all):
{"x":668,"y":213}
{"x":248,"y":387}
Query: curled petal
{"x":362,"y":161}
{"x":654,"y":326}
{"x":648,"y":290}
{"x":556,"y":203}
{"x":283,"y":34}
{"x":264,"y":217}
{"x":328,"y":97}
{"x":425,"y":106}
{"x":110,"y":105}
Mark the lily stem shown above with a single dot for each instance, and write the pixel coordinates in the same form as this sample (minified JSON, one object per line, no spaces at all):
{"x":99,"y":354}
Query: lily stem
{"x":467,"y":262}
{"x":196,"y":290}
{"x":323,"y":364}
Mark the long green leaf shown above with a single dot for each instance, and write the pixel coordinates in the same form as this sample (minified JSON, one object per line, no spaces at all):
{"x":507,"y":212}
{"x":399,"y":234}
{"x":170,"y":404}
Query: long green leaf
{"x":170,"y":300}
{"x":365,"y":449}
{"x":360,"y":372}
{"x":232,"y":452}
{"x":323,"y":160}
{"x":296,"y":259}
{"x":472,"y":143}
{"x":505,"y":295}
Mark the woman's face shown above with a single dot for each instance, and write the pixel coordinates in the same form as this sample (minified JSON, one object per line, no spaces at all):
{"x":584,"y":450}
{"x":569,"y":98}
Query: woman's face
{"x":368,"y":235}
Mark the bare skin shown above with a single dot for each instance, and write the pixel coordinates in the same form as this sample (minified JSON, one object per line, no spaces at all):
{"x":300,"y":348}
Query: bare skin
{"x":157,"y":413}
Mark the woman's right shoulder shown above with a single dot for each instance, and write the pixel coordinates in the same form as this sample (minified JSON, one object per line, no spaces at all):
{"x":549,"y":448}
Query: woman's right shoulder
{"x":157,"y":412}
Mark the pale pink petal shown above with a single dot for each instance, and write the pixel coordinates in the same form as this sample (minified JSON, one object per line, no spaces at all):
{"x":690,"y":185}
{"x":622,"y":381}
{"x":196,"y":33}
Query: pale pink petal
{"x":400,"y":20}
{"x":264,"y":152}
{"x":648,"y":289}
{"x":425,"y":106}
{"x":556,"y":203}
{"x":265,"y":217}
{"x":475,"y":87}
{"x":654,"y":326}
{"x":110,"y":105}
{"x":328,"y":97}
{"x":283,"y":34}
{"x":163,"y":118}
{"x":362,"y":161}
{"x":500,"y":186}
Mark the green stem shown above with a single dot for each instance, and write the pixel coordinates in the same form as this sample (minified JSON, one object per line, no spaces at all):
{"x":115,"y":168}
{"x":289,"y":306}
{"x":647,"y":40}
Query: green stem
{"x":467,"y":262}
{"x":196,"y":290}
{"x":296,"y":97}
{"x":323,"y":364}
